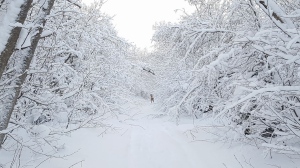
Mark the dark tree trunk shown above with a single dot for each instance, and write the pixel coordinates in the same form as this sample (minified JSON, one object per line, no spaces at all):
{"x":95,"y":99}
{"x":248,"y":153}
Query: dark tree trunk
{"x":23,"y":59}
{"x":14,"y":36}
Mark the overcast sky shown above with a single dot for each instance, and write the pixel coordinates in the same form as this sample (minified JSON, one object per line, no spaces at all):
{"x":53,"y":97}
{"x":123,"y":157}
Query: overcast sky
{"x":134,"y":18}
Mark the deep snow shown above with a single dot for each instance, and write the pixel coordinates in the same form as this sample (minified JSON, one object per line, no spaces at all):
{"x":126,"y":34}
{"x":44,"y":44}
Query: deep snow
{"x":143,"y":138}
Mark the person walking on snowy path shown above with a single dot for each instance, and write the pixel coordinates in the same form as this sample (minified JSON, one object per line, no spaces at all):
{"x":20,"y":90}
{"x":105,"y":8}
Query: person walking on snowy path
{"x":151,"y":98}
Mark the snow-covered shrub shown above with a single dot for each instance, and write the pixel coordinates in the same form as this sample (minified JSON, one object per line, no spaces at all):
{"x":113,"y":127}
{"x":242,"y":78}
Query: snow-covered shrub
{"x":237,"y":61}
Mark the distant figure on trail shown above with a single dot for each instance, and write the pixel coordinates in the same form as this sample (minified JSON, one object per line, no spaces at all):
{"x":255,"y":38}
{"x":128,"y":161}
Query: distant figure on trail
{"x":151,"y":98}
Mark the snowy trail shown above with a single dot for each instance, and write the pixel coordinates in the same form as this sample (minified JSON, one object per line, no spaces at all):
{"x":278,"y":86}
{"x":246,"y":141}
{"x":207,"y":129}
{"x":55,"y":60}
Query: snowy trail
{"x":158,"y":145}
{"x":156,"y":142}
{"x":140,"y":141}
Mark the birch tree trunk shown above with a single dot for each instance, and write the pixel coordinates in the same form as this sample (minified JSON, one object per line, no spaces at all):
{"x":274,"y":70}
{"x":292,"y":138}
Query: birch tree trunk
{"x":22,"y":60}
{"x":14,"y":33}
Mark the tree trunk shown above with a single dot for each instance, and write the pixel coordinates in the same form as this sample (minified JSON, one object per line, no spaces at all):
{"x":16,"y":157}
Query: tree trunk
{"x":14,"y":36}
{"x":22,"y":60}
{"x":274,"y":11}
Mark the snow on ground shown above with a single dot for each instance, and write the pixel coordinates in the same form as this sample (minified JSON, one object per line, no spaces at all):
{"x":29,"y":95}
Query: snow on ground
{"x":140,"y":140}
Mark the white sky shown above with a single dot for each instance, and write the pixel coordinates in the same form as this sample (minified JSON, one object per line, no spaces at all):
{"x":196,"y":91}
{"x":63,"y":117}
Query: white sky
{"x":134,"y":18}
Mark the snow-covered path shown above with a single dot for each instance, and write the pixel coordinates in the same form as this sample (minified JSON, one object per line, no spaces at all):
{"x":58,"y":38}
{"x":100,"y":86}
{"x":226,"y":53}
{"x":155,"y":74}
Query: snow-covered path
{"x":158,"y":143}
{"x":139,"y":140}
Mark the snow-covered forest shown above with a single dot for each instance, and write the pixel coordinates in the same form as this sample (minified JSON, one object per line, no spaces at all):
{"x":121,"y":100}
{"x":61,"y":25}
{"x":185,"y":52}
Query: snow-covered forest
{"x":237,"y":61}
{"x":231,"y":69}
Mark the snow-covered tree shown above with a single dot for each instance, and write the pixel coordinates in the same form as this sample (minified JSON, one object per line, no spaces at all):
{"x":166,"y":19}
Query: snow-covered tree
{"x":21,"y":60}
{"x":238,"y":61}
{"x":70,"y":72}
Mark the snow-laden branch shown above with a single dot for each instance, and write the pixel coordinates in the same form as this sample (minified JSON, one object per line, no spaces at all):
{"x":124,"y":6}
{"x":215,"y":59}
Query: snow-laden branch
{"x":254,"y":93}
{"x":274,"y":12}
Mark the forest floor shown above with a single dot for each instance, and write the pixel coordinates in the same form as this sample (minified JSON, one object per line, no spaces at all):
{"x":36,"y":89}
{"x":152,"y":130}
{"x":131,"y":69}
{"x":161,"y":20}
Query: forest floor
{"x":143,"y":138}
